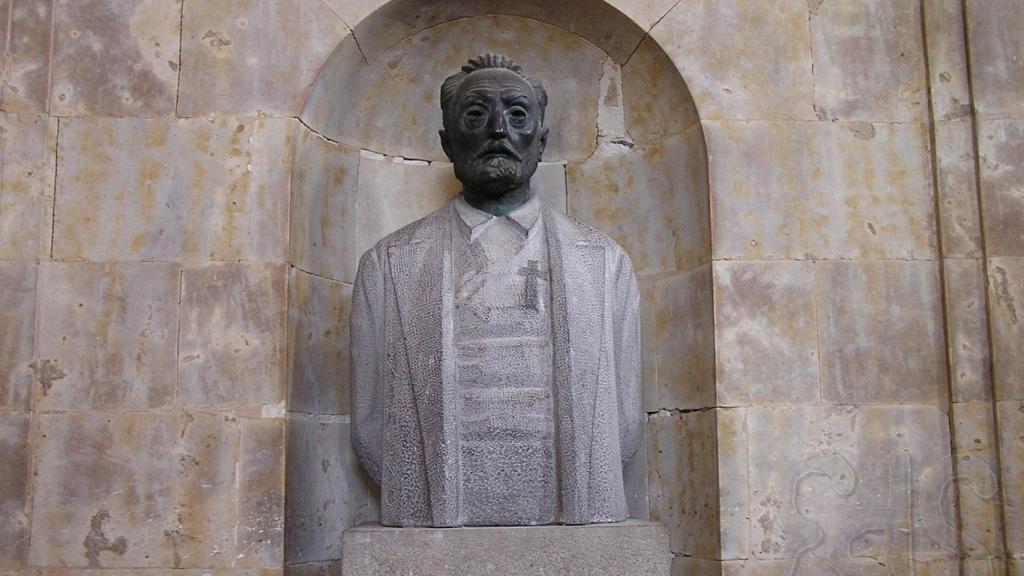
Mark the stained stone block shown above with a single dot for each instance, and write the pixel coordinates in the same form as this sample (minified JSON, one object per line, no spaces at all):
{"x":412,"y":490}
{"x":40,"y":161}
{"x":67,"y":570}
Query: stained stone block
{"x":250,"y":56}
{"x":845,"y":564}
{"x":881,"y":335}
{"x":760,"y":67}
{"x":652,"y":201}
{"x":682,"y":452}
{"x":957,"y":189}
{"x":869,"y":61}
{"x":1011,"y":447}
{"x":656,"y":100}
{"x":322,"y":234}
{"x":1002,"y":175}
{"x":967,"y":330}
{"x":318,"y":359}
{"x":152,"y":572}
{"x":150,"y":490}
{"x":947,"y":58}
{"x":733,"y":497}
{"x":28,"y":155}
{"x":115,"y":57}
{"x":231,"y":350}
{"x":766,"y":333}
{"x":329,"y":568}
{"x":850,"y":484}
{"x":177,"y":189}
{"x":14,"y":489}
{"x":327,"y":490}
{"x":1006,"y":298}
{"x":273,"y":149}
{"x":788,"y":190}
{"x":261,"y":475}
{"x":17,"y":333}
{"x":683,"y":566}
{"x":107,"y":335}
{"x":977,"y":471}
{"x":26,"y":84}
{"x":997,"y":56}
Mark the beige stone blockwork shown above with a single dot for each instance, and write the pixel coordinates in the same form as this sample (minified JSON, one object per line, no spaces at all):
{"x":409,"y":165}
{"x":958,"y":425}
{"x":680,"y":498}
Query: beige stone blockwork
{"x":997,"y":56}
{"x":115,"y":57}
{"x":766,"y":333}
{"x":272,"y":153}
{"x":318,"y":341}
{"x":261,"y":476}
{"x":967,"y":330}
{"x":151,"y":572}
{"x":977,"y":472}
{"x":1006,"y":301}
{"x":250,"y":56}
{"x":26,"y":83}
{"x":15,"y":481}
{"x":107,"y":335}
{"x":959,"y":214}
{"x":866,"y":566}
{"x":1011,"y":447}
{"x":231,"y":350}
{"x":803,"y":190}
{"x":733,"y":483}
{"x":947,"y":58}
{"x":881,"y":333}
{"x":27,"y":156}
{"x":177,"y":189}
{"x":740,"y":60}
{"x":17,"y":333}
{"x":1002,"y":180}
{"x":656,"y":100}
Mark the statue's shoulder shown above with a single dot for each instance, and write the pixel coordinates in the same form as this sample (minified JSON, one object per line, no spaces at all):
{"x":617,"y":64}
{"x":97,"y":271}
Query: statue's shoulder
{"x":581,"y":232}
{"x":431,"y":226}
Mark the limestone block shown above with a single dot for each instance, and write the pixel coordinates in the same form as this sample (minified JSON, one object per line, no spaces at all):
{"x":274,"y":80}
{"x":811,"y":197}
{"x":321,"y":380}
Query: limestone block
{"x":977,"y":471}
{"x":115,"y":57}
{"x":682,"y":452}
{"x":947,"y":59}
{"x":327,"y":490}
{"x":683,"y":566}
{"x":881,"y":334}
{"x":1011,"y":447}
{"x":17,"y":332}
{"x":630,"y":548}
{"x":1002,"y":176}
{"x":957,"y":189}
{"x":802,"y":190}
{"x":869,"y":61}
{"x":231,"y":350}
{"x":766,"y":333}
{"x":656,"y":100}
{"x":652,"y":201}
{"x":107,"y":335}
{"x":177,"y":189}
{"x":850,"y":484}
{"x":318,"y":341}
{"x":322,"y":233}
{"x":150,"y":490}
{"x":329,"y":568}
{"x":391,"y":105}
{"x":967,"y":330}
{"x":740,"y":60}
{"x":272,"y":152}
{"x":261,"y":476}
{"x":733,"y":497}
{"x":250,"y":56}
{"x":152,"y":572}
{"x":997,"y":56}
{"x":28,"y":153}
{"x":26,"y":83}
{"x":860,"y":566}
{"x":1006,"y":297}
{"x":14,"y":489}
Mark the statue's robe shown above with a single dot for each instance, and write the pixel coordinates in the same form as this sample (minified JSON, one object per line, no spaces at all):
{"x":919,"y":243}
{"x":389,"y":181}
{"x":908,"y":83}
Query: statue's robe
{"x":406,"y":426}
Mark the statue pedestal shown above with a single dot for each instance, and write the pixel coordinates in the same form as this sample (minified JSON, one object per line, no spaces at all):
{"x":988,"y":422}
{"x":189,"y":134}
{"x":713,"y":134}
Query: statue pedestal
{"x":628,"y":548}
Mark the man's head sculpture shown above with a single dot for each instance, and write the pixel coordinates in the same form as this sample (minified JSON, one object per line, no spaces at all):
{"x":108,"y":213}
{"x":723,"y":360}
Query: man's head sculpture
{"x":494,"y":134}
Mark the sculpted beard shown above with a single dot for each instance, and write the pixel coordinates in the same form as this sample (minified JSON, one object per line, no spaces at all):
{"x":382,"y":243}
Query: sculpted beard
{"x":500,"y":172}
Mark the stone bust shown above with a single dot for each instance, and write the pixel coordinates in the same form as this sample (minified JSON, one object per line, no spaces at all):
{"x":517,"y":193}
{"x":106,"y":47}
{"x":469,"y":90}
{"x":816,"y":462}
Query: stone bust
{"x":495,"y":342}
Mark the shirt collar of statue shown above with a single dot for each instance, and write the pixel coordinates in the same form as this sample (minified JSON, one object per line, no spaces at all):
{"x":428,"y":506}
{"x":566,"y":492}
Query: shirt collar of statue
{"x":523,"y":219}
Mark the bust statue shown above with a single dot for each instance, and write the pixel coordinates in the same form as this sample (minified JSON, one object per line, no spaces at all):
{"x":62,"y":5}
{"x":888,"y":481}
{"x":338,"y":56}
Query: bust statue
{"x":496,"y":343}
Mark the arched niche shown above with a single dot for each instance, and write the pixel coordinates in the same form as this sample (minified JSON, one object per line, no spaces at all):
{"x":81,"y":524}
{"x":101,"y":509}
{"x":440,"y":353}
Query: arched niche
{"x":626,"y":154}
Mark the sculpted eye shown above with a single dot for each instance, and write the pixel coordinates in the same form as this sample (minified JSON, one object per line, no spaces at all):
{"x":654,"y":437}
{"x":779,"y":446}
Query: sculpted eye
{"x":475,"y":114}
{"x":518,"y":115}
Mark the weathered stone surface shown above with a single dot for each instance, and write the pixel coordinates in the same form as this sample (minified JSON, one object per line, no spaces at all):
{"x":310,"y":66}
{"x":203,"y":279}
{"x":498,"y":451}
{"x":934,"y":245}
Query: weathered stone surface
{"x":1011,"y":446}
{"x":656,"y":101}
{"x":177,"y":189}
{"x":322,"y":234}
{"x":328,"y":568}
{"x":733,"y":496}
{"x":977,"y":471}
{"x":250,"y":56}
{"x":26,"y":81}
{"x":318,"y":358}
{"x":869,"y":61}
{"x":28,"y":156}
{"x":14,"y":489}
{"x":1006,"y":300}
{"x":766,"y":333}
{"x":652,"y":201}
{"x":881,"y":336}
{"x":683,"y":456}
{"x":957,"y":189}
{"x":683,"y":566}
{"x":997,"y":56}
{"x":261,"y":475}
{"x":760,"y":66}
{"x":860,"y":566}
{"x":1002,"y":175}
{"x":947,"y":58}
{"x":273,"y":149}
{"x":391,"y":105}
{"x":231,"y":349}
{"x":631,"y":548}
{"x":17,"y":332}
{"x":801,"y":190}
{"x":327,"y":490}
{"x":107,"y":335}
{"x":115,"y":57}
{"x":850,"y":483}
{"x":967,"y":330}
{"x":152,"y":572}
{"x":150,"y":490}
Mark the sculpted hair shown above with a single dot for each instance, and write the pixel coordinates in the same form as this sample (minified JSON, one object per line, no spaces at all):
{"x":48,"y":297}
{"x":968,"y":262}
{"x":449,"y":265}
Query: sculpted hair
{"x":484,"y":62}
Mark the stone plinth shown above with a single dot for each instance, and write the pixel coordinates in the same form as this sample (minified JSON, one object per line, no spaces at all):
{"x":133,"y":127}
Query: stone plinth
{"x":628,"y":548}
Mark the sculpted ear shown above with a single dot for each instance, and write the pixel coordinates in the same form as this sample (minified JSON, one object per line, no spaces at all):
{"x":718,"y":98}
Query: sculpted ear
{"x":446,"y":144}
{"x":542,"y":141}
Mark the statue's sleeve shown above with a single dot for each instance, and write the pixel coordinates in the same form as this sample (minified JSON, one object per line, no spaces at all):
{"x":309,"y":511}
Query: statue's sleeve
{"x":366,"y":331}
{"x":626,"y":329}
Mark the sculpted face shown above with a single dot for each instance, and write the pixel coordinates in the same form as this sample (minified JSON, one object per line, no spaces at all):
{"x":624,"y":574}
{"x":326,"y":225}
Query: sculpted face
{"x":496,"y":136}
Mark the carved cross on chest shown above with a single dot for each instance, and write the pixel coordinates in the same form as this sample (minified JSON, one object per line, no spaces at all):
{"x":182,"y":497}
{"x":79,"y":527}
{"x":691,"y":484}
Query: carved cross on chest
{"x":533,"y":273}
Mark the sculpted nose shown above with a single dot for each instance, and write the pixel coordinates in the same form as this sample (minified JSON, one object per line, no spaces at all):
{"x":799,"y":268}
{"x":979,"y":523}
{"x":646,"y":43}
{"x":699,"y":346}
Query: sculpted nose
{"x":496,"y":126}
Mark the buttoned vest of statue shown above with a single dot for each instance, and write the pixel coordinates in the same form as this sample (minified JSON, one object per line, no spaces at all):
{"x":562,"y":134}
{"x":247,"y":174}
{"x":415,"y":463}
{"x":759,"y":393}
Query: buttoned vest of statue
{"x":405,"y":380}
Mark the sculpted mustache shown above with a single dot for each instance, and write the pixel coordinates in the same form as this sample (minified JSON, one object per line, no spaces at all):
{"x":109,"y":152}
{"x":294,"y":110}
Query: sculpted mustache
{"x":499,"y":149}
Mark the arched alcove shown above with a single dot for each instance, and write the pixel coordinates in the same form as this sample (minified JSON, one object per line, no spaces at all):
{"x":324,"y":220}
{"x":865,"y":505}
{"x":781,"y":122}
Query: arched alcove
{"x":626,"y":154}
